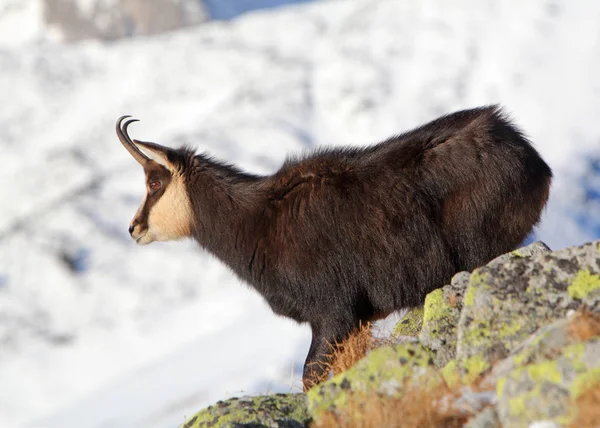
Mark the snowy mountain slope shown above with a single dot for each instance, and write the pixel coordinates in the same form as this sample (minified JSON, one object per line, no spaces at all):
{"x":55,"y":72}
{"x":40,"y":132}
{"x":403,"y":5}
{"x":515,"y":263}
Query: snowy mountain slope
{"x":92,"y":326}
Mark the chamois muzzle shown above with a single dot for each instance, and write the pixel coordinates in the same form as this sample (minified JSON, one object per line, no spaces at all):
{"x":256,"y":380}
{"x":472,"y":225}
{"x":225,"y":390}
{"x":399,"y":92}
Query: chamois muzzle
{"x":121,"y":129}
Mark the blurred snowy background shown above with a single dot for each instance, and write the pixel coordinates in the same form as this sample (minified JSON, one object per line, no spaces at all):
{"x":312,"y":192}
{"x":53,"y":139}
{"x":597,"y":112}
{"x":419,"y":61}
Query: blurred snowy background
{"x":97,"y":332}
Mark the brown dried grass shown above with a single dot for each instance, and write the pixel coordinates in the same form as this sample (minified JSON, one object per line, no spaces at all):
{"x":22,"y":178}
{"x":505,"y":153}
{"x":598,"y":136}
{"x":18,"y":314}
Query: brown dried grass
{"x":584,"y":325}
{"x":344,"y":355}
{"x":588,"y":407}
{"x":417,"y":408}
{"x":453,"y":300}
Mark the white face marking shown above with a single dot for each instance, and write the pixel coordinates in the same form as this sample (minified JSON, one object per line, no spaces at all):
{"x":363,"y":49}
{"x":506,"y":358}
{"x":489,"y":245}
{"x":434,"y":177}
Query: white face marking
{"x":171,"y":216}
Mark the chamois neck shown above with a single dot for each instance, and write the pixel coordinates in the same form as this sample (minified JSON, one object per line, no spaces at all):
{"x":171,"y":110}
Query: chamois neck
{"x":224,"y":200}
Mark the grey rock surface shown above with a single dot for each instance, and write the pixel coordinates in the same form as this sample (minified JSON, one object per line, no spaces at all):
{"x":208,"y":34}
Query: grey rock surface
{"x":272,"y":411}
{"x":109,"y":20}
{"x":488,"y":418}
{"x":512,"y":297}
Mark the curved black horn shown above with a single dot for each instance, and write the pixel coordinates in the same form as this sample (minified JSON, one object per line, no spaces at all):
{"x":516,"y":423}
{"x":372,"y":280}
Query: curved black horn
{"x":126,"y":141}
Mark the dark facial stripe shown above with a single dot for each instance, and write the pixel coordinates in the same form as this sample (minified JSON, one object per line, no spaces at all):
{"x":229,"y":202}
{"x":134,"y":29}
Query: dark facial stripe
{"x":154,"y":172}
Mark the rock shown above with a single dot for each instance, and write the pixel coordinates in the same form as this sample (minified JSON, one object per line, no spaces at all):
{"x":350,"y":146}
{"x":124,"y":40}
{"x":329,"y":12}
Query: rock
{"x":443,"y":307}
{"x":440,"y":317}
{"x":539,"y":352}
{"x":99,"y":19}
{"x":544,"y":344}
{"x":513,"y":296}
{"x":386,"y":371}
{"x":530,"y":250}
{"x":277,"y":410}
{"x":474,"y":401}
{"x":488,"y":418}
{"x":410,"y":324}
{"x":546,"y":390}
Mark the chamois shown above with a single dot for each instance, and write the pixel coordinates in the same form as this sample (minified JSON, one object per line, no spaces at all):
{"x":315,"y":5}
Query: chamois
{"x":349,"y":235}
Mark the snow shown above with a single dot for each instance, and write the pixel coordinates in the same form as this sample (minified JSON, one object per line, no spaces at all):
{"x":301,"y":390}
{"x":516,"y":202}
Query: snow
{"x":21,"y":21}
{"x":95,"y":328}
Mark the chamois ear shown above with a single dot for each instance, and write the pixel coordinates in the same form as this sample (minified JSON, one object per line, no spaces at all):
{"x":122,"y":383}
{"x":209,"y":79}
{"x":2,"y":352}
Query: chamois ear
{"x":157,"y":153}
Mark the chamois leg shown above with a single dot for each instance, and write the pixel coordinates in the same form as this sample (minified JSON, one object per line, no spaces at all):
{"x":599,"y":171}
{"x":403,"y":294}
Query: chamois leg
{"x":324,"y":336}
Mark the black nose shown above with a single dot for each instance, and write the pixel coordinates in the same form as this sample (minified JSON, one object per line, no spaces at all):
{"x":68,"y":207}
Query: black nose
{"x":131,"y":229}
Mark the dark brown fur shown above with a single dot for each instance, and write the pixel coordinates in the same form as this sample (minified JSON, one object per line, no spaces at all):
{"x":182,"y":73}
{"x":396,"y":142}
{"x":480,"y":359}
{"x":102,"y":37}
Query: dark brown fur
{"x":348,"y":235}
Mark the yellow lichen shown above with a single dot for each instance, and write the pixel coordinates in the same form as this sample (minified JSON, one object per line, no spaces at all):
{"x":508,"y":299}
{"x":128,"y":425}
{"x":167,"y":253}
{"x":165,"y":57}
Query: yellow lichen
{"x":469,"y":299}
{"x":435,"y":308}
{"x":574,"y":351}
{"x":584,"y":381}
{"x":473,"y":367}
{"x":583,"y":284}
{"x":476,"y":280}
{"x":544,"y":371}
{"x":411,"y":324}
{"x":517,"y":405}
{"x":511,"y":328}
{"x":451,"y":373}
{"x":477,"y":333}
{"x":517,"y":253}
{"x":520,"y":358}
{"x":520,"y":405}
{"x":500,"y":386}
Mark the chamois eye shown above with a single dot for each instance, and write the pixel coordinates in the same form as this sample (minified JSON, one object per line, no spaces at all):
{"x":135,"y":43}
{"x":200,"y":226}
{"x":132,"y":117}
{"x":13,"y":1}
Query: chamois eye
{"x":155,"y":185}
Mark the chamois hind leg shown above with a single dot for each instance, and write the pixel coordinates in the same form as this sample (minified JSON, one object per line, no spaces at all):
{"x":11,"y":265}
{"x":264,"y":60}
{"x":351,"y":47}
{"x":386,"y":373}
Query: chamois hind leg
{"x":325,"y":334}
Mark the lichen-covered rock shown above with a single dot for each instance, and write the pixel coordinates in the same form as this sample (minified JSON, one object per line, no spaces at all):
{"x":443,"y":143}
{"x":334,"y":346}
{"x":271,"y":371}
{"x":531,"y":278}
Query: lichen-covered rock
{"x":512,"y":297}
{"x":440,"y":318}
{"x":530,"y":250}
{"x":541,"y":346}
{"x":410,"y":324}
{"x":387,"y":370}
{"x":277,"y":410}
{"x":474,"y":401}
{"x":443,"y":307}
{"x":548,"y":388}
{"x":488,"y":418}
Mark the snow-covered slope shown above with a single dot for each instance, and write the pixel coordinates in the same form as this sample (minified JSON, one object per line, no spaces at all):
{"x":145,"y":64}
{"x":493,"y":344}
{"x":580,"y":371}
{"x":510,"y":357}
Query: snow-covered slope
{"x":94,"y":328}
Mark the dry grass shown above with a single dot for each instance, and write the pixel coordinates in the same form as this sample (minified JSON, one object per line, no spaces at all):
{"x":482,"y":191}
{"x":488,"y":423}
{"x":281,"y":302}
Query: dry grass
{"x":417,"y":408}
{"x":588,"y":406}
{"x":584,"y":325}
{"x":453,"y":300}
{"x":344,"y":355}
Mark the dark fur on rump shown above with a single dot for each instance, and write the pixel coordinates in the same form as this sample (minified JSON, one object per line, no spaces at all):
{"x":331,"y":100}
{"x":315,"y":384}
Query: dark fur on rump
{"x":346,"y":235}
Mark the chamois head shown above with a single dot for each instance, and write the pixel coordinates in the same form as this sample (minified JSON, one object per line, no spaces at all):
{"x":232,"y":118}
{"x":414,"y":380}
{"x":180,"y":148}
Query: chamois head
{"x":165,"y":213}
